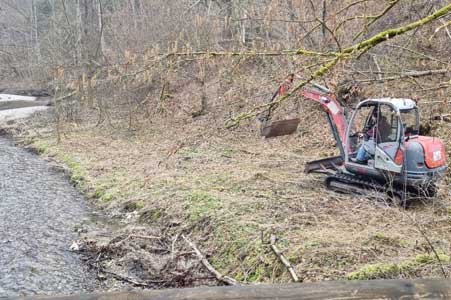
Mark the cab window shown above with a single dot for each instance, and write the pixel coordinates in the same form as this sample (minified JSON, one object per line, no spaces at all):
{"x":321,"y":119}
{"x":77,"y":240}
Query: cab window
{"x":387,"y":124}
{"x":410,"y":121}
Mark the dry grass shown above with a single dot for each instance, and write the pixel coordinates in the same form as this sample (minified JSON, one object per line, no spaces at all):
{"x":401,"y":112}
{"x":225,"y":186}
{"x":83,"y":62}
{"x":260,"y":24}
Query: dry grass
{"x":230,"y":190}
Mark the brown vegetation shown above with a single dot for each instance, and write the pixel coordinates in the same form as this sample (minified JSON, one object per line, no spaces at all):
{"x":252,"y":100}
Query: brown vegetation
{"x":141,"y":113}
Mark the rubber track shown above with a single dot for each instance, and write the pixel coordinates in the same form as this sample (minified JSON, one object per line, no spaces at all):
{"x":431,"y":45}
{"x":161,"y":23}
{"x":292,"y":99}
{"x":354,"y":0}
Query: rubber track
{"x":355,"y":181}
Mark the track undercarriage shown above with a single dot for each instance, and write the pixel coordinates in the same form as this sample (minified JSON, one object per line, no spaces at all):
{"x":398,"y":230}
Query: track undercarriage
{"x":381,"y":190}
{"x":398,"y":194}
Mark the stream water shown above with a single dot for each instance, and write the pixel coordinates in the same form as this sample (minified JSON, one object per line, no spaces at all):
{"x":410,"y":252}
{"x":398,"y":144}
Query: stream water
{"x":39,"y":212}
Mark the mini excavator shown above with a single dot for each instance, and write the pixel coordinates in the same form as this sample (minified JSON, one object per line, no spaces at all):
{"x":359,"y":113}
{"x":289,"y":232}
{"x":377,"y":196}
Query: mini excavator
{"x":401,"y":164}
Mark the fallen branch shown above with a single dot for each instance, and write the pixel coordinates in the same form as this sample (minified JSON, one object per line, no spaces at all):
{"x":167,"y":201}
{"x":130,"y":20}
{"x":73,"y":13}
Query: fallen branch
{"x":226,"y":279}
{"x":173,"y":150}
{"x":145,"y":237}
{"x":147,"y":284}
{"x":283,"y":259}
{"x":407,"y":75}
{"x":65,"y":96}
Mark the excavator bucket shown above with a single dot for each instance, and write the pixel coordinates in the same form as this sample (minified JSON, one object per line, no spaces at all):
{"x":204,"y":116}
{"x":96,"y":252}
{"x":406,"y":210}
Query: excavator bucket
{"x":279,"y":128}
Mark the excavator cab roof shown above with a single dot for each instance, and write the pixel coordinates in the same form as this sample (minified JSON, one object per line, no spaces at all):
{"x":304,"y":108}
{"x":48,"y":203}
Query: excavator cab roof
{"x":400,"y":104}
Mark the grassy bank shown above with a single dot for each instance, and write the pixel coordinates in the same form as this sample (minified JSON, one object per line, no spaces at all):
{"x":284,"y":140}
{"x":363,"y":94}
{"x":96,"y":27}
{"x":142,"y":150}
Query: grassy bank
{"x":230,"y":190}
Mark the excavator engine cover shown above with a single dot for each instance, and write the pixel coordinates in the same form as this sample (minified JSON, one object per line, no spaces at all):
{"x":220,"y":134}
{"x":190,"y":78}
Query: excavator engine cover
{"x":434,"y":151}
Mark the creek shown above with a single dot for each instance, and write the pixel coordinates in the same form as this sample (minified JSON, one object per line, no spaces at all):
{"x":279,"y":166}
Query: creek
{"x":40,"y":212}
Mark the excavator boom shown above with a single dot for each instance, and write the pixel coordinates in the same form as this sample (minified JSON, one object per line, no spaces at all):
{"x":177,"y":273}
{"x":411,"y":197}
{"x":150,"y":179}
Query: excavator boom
{"x":335,"y":115}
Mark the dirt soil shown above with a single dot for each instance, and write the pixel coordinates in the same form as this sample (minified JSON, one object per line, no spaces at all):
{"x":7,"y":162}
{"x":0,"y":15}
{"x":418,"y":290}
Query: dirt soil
{"x":227,"y":192}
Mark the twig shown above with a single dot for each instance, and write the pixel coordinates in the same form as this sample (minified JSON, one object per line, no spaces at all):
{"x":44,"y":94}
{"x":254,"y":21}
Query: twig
{"x":174,"y":240}
{"x":226,"y":279}
{"x":417,"y":53}
{"x":408,"y":75}
{"x":146,"y":237}
{"x":149,"y":283}
{"x":443,"y":26}
{"x":283,"y":259}
{"x":173,"y":150}
{"x":325,"y":27}
{"x":379,"y":73}
{"x":66,"y":96}
{"x":375,"y":18}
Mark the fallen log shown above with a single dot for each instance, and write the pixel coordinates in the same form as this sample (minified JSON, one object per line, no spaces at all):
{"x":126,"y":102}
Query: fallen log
{"x":371,"y":289}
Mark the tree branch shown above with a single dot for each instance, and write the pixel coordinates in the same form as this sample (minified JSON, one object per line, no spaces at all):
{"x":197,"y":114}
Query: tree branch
{"x":375,"y":18}
{"x":359,"y":49}
{"x":409,"y":74}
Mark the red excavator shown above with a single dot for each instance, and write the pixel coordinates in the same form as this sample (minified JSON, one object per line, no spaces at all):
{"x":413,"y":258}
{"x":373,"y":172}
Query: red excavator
{"x":381,"y":149}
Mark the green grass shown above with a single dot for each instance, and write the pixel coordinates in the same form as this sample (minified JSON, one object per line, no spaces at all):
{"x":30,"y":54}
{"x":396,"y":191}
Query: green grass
{"x":240,"y":253}
{"x":42,"y":146}
{"x":191,"y":152}
{"x":131,"y":206}
{"x":202,"y":204}
{"x":391,"y":270}
{"x":78,"y":173}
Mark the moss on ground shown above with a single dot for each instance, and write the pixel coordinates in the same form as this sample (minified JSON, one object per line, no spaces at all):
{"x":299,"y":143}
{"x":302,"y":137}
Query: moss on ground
{"x":392,"y":270}
{"x":385,"y":270}
{"x":239,"y":252}
{"x":131,"y":206}
{"x":150,"y":216}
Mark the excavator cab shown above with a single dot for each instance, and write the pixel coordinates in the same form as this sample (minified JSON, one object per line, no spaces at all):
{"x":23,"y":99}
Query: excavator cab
{"x":380,"y":146}
{"x":386,"y":133}
{"x":376,"y":134}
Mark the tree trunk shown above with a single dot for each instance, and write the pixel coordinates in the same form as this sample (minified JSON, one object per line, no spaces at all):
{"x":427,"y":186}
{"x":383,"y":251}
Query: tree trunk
{"x":35,"y":33}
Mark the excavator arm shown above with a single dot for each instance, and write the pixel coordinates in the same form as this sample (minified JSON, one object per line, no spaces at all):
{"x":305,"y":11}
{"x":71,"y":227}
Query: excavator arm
{"x":336,"y":117}
{"x":335,"y":114}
